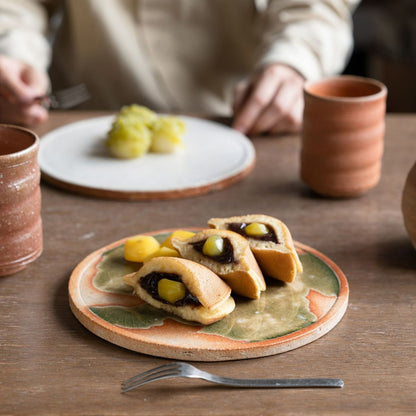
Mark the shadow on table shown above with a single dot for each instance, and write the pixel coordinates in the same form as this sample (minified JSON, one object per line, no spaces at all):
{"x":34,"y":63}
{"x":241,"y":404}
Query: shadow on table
{"x":176,"y":387}
{"x":63,"y":311}
{"x":397,"y":253}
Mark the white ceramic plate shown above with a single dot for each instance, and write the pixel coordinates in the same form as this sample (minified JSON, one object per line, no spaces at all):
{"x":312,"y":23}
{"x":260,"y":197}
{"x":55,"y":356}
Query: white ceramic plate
{"x":75,"y":157}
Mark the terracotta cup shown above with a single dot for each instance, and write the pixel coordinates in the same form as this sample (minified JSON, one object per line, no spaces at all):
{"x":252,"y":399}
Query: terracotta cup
{"x":20,"y":199}
{"x":343,"y":135}
{"x":409,"y":204}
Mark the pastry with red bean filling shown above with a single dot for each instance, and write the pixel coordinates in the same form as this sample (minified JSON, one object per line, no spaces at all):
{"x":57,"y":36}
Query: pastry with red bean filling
{"x":270,"y":241}
{"x":183,"y":288}
{"x":229,"y":256}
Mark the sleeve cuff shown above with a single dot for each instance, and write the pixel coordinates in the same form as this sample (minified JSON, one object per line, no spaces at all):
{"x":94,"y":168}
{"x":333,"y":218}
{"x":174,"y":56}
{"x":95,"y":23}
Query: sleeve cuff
{"x":26,"y":47}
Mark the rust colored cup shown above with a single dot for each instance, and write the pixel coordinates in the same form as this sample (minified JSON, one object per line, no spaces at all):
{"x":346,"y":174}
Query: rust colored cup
{"x":343,"y":135}
{"x":20,"y":199}
{"x":409,"y":204}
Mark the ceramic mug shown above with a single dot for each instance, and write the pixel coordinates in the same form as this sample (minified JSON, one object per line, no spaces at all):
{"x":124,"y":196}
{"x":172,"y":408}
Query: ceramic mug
{"x":343,"y":135}
{"x":409,"y":204}
{"x":20,"y":199}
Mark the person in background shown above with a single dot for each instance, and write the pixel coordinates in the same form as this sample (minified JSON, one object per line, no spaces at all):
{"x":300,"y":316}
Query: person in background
{"x":242,"y":58}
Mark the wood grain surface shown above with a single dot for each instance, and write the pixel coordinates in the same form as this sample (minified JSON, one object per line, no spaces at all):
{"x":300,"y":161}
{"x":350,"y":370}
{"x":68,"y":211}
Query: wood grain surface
{"x":50,"y":364}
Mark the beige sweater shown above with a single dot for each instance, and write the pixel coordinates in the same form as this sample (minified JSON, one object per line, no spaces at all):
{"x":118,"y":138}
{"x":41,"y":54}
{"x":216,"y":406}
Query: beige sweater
{"x":175,"y":55}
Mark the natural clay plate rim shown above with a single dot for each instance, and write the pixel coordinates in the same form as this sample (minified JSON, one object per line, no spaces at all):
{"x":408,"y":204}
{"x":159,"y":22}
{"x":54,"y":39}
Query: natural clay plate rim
{"x":73,"y":157}
{"x":217,"y":348}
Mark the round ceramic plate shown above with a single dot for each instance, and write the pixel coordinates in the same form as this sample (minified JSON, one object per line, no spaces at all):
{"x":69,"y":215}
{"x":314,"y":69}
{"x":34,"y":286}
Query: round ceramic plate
{"x":74,"y":157}
{"x":286,"y":316}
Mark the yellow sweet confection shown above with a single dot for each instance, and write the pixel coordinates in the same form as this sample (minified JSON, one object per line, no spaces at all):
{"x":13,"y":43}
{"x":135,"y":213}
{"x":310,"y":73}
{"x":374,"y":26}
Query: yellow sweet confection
{"x":167,"y":135}
{"x":256,"y":229}
{"x":171,"y":290}
{"x":137,"y":130}
{"x":213,"y":246}
{"x":139,"y":247}
{"x":139,"y":113}
{"x":128,"y":138}
{"x":163,"y":252}
{"x":181,"y":234}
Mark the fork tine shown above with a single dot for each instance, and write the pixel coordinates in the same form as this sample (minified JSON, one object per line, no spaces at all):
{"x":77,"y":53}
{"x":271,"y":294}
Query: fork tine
{"x":68,"y":97}
{"x":159,"y":373}
{"x":148,"y":379}
{"x":151,"y":371}
{"x":76,"y":89}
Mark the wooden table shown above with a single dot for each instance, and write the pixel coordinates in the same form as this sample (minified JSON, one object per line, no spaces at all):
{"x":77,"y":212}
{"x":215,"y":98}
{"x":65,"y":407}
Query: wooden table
{"x":50,"y":364}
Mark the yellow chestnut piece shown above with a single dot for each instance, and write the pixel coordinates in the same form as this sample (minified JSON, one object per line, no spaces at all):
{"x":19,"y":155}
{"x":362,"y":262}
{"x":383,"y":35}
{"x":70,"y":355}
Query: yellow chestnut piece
{"x":256,"y":229}
{"x":181,"y":234}
{"x":163,"y":252}
{"x":213,"y":246}
{"x":128,"y":138}
{"x":167,"y":136}
{"x":139,"y":247}
{"x":170,"y":290}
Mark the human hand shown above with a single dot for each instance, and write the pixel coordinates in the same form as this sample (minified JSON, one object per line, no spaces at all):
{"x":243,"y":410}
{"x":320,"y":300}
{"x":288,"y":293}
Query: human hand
{"x":270,"y":102}
{"x":20,"y":84}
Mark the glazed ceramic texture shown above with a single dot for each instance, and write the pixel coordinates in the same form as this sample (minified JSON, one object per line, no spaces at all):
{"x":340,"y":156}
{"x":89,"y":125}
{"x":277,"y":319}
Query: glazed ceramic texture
{"x":409,"y":205}
{"x":287,"y":315}
{"x":342,"y":138}
{"x":20,"y":203}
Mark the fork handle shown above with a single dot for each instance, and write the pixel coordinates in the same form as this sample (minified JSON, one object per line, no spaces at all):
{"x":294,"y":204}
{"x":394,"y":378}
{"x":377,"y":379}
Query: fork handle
{"x":281,"y":383}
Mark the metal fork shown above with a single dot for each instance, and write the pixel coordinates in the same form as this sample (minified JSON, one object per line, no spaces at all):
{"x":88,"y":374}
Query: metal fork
{"x":65,"y":98}
{"x":179,"y":369}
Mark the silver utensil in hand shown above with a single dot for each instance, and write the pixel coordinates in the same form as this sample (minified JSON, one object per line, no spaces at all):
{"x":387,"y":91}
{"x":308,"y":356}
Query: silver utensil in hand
{"x":66,"y":98}
{"x":180,"y":369}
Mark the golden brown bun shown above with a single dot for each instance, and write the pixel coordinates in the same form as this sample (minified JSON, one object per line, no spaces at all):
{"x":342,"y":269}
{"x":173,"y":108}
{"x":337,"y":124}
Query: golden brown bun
{"x":280,"y":260}
{"x":244,"y":276}
{"x":206,"y":286}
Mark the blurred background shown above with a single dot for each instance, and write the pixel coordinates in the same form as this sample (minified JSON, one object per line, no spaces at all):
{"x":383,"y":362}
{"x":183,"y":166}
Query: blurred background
{"x":385,"y":49}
